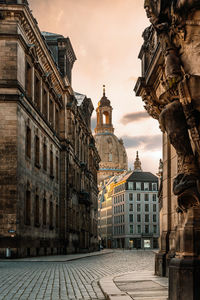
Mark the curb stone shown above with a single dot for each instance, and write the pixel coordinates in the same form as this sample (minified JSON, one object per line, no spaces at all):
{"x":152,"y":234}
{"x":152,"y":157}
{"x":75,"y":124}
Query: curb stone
{"x":110,"y":290}
{"x":42,"y":258}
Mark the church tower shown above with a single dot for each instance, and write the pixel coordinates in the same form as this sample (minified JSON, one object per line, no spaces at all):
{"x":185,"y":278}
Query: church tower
{"x":137,"y":164}
{"x":104,"y":115}
{"x":111,"y":149}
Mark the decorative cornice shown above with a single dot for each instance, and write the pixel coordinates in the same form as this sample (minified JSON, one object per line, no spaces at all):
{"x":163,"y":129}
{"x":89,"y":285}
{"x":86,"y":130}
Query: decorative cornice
{"x":33,"y":36}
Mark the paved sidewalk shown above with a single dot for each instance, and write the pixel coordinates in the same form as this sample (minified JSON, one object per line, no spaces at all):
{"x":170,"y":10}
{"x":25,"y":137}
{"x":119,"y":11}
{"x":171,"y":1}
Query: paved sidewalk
{"x":142,"y":285}
{"x":60,"y":258}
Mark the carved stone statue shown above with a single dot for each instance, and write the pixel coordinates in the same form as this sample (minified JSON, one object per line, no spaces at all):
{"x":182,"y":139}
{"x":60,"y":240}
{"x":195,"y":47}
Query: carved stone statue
{"x":177,"y":24}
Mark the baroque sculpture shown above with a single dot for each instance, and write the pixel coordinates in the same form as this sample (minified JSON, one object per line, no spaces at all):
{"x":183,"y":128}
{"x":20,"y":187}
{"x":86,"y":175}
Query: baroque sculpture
{"x":177,"y":106}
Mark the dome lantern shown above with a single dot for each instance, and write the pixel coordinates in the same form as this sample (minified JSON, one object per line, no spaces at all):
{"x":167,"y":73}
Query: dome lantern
{"x":104,"y":115}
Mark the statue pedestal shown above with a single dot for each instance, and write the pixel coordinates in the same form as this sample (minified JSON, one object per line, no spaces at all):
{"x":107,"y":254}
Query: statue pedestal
{"x":184,"y":275}
{"x":184,"y":269}
{"x":160,"y":264}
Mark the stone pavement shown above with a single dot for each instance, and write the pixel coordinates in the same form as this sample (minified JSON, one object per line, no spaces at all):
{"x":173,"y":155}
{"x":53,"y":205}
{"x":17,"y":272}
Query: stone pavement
{"x":77,"y":277}
{"x":135,"y":285}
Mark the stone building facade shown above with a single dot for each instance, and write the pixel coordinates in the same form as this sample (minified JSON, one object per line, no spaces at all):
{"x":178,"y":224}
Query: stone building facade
{"x":111,"y":149}
{"x":49,"y":162}
{"x":105,"y":212}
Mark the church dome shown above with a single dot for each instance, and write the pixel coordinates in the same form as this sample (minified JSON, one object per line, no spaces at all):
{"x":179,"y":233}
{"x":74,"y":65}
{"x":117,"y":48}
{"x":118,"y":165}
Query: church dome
{"x":111,"y":149}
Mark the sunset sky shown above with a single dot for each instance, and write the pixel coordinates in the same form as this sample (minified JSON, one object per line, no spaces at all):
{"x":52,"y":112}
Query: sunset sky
{"x":106,"y":37}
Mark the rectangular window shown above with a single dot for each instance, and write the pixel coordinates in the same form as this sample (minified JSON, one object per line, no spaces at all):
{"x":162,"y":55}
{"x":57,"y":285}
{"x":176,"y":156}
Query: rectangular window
{"x":44,"y":103}
{"x":51,"y":163}
{"x":58,"y":169}
{"x":146,"y":197}
{"x":37,"y":151}
{"x":37,"y":92}
{"x":138,"y":218}
{"x":146,"y":218}
{"x":57,"y":120}
{"x":44,"y":156}
{"x":51,"y":111}
{"x":154,"y":208}
{"x":27,"y":208}
{"x":139,"y":229}
{"x":138,"y":186}
{"x":131,"y":228}
{"x":51,"y":215}
{"x":44,"y":210}
{"x":146,"y":207}
{"x":154,"y":229}
{"x":154,"y":186}
{"x":57,"y":215}
{"x":130,"y":207}
{"x":138,"y":207}
{"x":154,"y":218}
{"x":146,"y":228}
{"x":28,"y":83}
{"x":28,"y":142}
{"x":130,"y":218}
{"x":130,"y":185}
{"x":138,"y":197}
{"x":154,"y":197}
{"x":131,"y":197}
{"x":37,"y":211}
{"x":146,"y":186}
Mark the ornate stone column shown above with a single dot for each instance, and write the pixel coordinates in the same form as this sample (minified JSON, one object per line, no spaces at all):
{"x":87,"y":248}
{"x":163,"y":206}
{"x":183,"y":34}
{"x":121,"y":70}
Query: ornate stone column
{"x":169,"y":87}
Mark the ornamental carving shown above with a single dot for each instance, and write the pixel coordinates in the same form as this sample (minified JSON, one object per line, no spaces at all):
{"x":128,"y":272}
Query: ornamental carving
{"x":173,"y":40}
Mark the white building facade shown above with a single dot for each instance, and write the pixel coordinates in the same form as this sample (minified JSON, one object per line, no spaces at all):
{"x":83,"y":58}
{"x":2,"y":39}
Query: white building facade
{"x":136,"y":210}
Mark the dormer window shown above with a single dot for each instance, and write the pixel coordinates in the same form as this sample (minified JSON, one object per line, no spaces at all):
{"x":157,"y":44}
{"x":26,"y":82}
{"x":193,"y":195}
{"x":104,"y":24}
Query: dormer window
{"x":146,"y":186}
{"x":154,"y":186}
{"x":138,"y":186}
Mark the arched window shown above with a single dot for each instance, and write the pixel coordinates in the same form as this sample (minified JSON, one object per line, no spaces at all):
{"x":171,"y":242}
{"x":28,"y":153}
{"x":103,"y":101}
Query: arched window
{"x":106,"y":118}
{"x":110,"y":157}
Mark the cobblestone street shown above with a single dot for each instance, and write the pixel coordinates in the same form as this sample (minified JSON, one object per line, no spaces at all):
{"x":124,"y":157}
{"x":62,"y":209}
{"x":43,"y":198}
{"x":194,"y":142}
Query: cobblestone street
{"x":67,"y":280}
